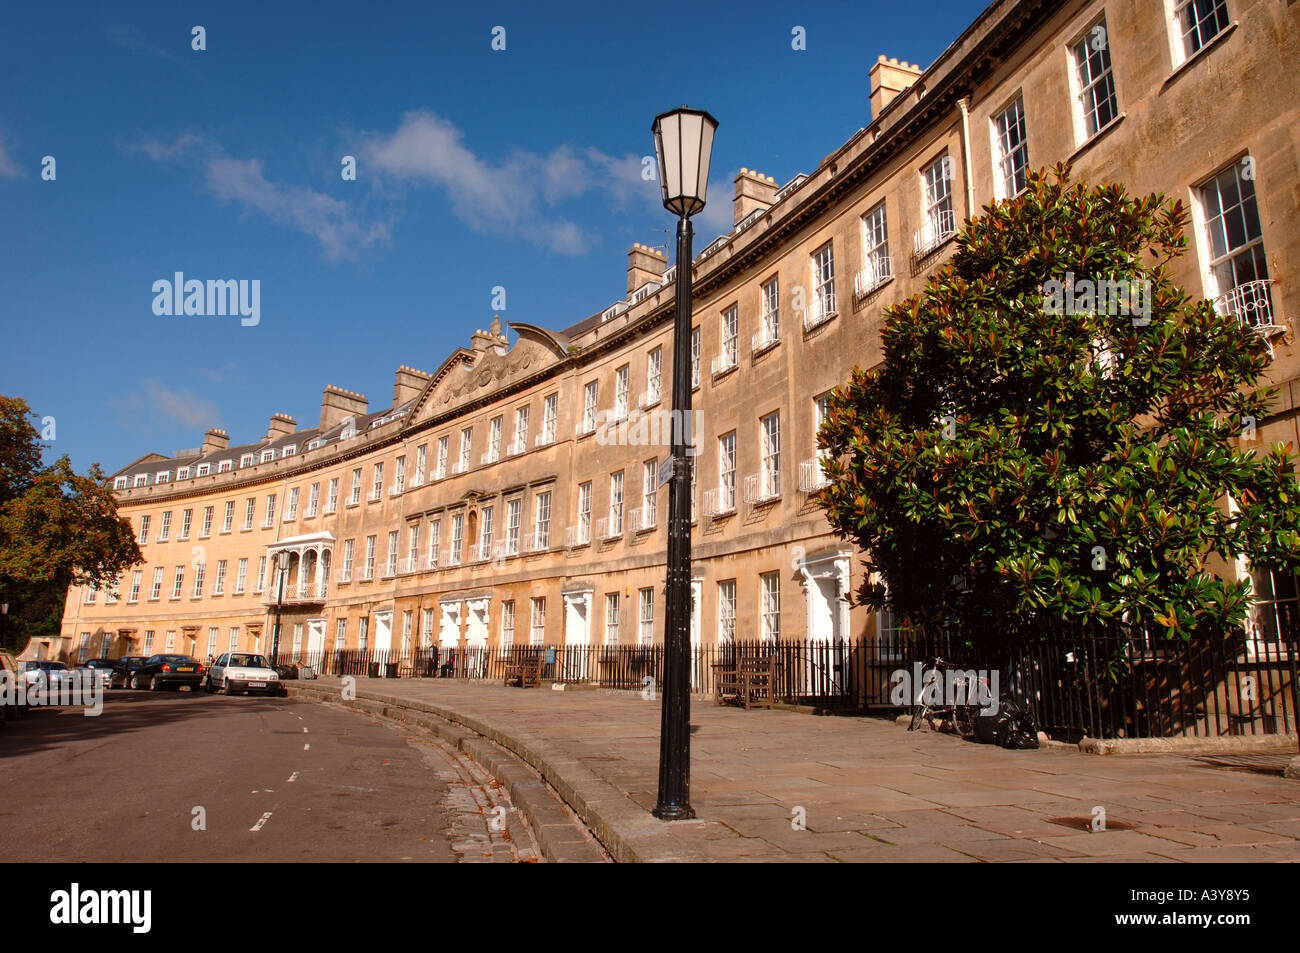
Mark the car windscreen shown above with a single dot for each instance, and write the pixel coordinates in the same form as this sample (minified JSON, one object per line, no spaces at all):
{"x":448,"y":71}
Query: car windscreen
{"x":182,"y":659}
{"x":54,"y":666}
{"x":249,"y":661}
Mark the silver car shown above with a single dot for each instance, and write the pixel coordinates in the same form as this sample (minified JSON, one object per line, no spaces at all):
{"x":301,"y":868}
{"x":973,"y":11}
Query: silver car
{"x":234,"y":673}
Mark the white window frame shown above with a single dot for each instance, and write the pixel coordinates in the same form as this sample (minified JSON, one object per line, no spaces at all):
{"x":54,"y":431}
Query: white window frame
{"x":770,"y":442}
{"x":622,"y":389}
{"x":611,"y":618}
{"x":770,"y":588}
{"x":1186,"y":35}
{"x":727,"y":472}
{"x":645,"y":629}
{"x":1010,"y":149}
{"x":1092,"y":81}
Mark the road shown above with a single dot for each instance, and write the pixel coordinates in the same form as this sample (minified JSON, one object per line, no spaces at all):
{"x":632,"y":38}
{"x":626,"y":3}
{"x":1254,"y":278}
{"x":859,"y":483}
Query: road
{"x":185,"y":776}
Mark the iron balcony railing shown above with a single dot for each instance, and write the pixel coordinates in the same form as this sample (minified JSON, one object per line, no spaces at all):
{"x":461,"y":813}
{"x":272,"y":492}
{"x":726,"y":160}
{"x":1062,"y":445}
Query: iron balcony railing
{"x":819,"y":311}
{"x":878,"y":270}
{"x":767,"y":336}
{"x":935,"y":232}
{"x":811,"y":478}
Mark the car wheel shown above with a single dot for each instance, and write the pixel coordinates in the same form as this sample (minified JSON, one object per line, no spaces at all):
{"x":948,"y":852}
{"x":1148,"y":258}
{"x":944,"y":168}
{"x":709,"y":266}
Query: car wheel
{"x":208,"y":683}
{"x":225,"y":687}
{"x":153,"y":684}
{"x":136,"y":684}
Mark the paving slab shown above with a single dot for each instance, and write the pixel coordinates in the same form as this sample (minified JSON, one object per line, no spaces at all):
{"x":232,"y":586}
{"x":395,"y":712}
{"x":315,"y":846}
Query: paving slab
{"x":869,"y":790}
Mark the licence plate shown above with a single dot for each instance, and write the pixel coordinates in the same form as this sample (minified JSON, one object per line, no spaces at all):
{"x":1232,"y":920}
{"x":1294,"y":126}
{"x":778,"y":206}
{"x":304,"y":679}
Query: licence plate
{"x":257,"y":684}
{"x":185,"y":669}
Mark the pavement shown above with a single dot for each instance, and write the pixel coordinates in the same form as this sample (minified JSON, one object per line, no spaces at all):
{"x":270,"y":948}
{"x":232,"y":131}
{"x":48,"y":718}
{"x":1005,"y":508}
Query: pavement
{"x":785,"y":786}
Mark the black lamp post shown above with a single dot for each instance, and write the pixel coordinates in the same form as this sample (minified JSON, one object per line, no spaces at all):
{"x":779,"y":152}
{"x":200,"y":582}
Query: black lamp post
{"x":282,"y":566}
{"x":684,"y":145}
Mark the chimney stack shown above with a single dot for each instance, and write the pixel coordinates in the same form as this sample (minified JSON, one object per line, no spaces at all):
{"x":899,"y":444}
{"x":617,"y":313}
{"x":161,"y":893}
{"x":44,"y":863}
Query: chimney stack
{"x":281,"y":426}
{"x":408,"y":384}
{"x":493,"y":337}
{"x":215,"y":440}
{"x":644,"y":264}
{"x":753,"y":191}
{"x":337,"y":405}
{"x":889,"y":77}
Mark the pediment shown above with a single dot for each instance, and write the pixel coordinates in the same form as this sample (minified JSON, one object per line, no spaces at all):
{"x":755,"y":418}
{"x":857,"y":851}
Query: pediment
{"x":469,"y":375}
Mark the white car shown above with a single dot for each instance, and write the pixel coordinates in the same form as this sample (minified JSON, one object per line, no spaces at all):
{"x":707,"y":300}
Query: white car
{"x":238,"y":672}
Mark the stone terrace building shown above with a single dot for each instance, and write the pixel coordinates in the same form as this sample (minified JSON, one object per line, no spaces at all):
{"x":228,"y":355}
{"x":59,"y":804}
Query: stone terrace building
{"x":509,"y":497}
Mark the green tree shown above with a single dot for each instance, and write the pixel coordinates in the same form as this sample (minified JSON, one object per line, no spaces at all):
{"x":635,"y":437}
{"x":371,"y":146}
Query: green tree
{"x":57,"y":529}
{"x":1015,"y":459}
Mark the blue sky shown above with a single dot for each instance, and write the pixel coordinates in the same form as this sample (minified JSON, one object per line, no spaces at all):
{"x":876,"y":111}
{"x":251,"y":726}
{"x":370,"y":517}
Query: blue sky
{"x":475,"y":168}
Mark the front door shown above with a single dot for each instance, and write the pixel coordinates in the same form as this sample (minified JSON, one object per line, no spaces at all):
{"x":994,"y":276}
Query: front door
{"x":315,"y":640}
{"x":383,"y":636}
{"x":577,"y":635}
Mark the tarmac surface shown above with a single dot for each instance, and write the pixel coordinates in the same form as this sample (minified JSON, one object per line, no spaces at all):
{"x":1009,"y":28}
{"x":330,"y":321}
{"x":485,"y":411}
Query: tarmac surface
{"x":183,"y":776}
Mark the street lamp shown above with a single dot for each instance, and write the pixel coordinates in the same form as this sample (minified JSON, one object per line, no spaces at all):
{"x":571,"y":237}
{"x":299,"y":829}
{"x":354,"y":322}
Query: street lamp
{"x":281,"y":564}
{"x":684,"y":145}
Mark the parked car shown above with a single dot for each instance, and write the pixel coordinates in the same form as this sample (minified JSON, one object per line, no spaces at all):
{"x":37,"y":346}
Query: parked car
{"x":15,"y":705}
{"x":237,"y":672}
{"x":126,"y":666}
{"x":103,"y":667}
{"x":49,"y":674}
{"x":163,"y":671}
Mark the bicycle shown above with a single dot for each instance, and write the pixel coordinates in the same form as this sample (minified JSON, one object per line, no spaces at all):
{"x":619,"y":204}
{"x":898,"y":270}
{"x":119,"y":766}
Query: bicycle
{"x":961,"y":718}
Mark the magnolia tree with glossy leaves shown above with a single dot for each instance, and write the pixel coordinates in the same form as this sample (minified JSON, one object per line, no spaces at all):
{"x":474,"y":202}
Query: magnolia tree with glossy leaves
{"x":1059,"y":434}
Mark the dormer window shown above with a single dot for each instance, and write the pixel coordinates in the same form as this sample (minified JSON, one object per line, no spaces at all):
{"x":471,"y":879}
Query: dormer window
{"x":268,"y":455}
{"x":288,"y":451}
{"x":120,"y":483}
{"x":225,"y":466}
{"x":204,"y":469}
{"x":141,"y":479}
{"x":183,"y":473}
{"x":162,"y":476}
{"x":246,"y":460}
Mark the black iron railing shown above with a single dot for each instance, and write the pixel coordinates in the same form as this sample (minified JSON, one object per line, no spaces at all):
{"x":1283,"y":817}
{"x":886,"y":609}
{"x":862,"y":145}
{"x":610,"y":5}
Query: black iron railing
{"x":1122,"y":683}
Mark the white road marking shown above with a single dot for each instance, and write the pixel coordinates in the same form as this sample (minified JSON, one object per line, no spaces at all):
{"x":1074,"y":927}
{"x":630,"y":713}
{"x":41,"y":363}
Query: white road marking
{"x":306,"y":747}
{"x":291,"y":778}
{"x":258,"y":826}
{"x":304,"y":731}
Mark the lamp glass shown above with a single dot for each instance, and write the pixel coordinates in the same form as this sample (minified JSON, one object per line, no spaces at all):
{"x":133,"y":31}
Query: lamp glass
{"x":684,"y":146}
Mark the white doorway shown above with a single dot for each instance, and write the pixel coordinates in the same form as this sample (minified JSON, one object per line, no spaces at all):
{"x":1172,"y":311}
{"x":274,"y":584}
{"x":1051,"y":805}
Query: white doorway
{"x":826,"y":582}
{"x":476,"y":624}
{"x":449,"y":626}
{"x":383,"y":641}
{"x":577,"y":635}
{"x":315,"y":640}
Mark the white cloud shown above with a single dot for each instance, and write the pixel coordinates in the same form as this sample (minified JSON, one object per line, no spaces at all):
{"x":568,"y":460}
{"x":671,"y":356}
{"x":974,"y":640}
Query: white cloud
{"x":159,"y":151}
{"x":131,"y":38}
{"x":517,"y":195}
{"x":8,"y":170}
{"x":328,"y":220}
{"x":157,"y":407}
